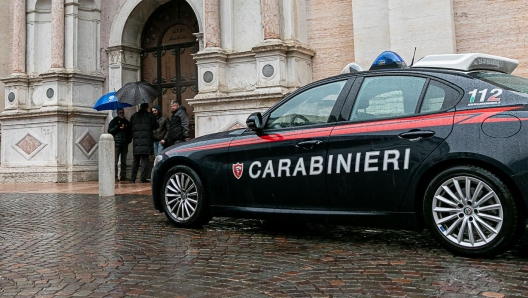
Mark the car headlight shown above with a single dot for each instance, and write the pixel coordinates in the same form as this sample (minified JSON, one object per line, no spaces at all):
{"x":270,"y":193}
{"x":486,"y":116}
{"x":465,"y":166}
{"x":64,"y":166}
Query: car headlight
{"x":157,"y":159}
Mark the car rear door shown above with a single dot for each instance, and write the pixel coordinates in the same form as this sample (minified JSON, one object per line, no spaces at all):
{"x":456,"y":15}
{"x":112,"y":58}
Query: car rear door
{"x":394,"y":123}
{"x":283,"y":166}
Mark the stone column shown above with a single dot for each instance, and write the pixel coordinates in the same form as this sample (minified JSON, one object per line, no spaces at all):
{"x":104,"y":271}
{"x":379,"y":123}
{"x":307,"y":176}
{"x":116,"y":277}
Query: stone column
{"x":270,"y":19}
{"x":212,"y":24}
{"x":19,"y":36}
{"x":57,"y":34}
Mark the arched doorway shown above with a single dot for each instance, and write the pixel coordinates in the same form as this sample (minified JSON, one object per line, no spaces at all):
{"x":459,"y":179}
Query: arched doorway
{"x":168,"y":44}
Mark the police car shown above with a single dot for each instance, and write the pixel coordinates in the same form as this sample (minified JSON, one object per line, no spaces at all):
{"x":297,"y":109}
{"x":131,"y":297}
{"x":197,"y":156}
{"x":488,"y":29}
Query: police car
{"x":442,"y":145}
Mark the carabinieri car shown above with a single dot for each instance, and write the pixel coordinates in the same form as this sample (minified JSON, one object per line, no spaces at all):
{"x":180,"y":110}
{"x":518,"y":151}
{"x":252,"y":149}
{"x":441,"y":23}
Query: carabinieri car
{"x":442,"y":144}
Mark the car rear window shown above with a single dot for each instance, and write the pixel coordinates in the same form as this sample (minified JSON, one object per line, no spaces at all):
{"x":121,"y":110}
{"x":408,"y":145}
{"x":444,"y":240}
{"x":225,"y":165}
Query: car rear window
{"x":506,"y":81}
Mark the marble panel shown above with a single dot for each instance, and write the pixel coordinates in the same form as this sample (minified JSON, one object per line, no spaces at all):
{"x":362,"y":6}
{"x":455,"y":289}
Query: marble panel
{"x":248,"y":30}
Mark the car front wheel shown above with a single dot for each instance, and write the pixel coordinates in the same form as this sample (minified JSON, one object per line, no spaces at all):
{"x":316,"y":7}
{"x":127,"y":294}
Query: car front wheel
{"x":471,"y":212}
{"x":184,"y":201}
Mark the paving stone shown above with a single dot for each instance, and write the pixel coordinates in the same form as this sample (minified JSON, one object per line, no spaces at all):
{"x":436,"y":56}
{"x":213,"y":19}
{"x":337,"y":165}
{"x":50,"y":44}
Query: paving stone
{"x":68,"y":245}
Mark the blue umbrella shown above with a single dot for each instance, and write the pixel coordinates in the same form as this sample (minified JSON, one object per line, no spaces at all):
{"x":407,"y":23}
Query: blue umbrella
{"x":109,"y":102}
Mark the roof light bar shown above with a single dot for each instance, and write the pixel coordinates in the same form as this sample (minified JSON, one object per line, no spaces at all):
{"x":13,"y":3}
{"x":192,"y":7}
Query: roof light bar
{"x":388,"y":59}
{"x":469,"y":62}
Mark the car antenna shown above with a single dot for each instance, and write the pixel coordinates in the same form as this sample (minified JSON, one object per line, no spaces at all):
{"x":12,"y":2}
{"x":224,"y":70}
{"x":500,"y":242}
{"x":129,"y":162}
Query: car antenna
{"x":412,"y":61}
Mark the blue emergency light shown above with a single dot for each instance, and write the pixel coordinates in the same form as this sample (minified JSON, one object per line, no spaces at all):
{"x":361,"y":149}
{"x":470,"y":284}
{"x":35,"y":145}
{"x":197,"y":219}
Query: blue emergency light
{"x":388,"y":59}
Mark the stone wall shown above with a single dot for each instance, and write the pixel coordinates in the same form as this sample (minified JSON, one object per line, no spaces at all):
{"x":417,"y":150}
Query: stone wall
{"x":497,"y":27}
{"x":330,"y":34}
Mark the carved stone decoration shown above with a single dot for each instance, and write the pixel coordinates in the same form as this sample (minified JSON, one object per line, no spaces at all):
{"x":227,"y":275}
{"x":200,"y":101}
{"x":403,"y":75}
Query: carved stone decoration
{"x":194,"y":88}
{"x":115,"y":57}
{"x":268,"y":70}
{"x":208,"y":76}
{"x":182,"y":50}
{"x":183,"y":88}
{"x":29,"y":145}
{"x":174,"y":90}
{"x":50,"y":93}
{"x":87,"y":143}
{"x":11,"y":97}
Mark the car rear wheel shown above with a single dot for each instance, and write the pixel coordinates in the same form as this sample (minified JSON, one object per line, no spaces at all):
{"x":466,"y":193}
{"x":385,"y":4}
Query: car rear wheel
{"x":471,"y":212}
{"x":184,"y":200}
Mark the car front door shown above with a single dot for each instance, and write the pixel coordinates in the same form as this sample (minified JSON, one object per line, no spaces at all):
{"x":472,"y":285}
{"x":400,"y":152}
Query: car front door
{"x":394,"y":123}
{"x":283,"y":165}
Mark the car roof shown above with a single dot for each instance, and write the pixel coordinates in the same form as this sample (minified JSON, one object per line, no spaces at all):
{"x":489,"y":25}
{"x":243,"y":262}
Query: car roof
{"x":421,"y":70}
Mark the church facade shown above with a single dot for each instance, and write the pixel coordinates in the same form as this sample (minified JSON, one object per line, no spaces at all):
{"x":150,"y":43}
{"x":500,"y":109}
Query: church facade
{"x":222,"y":59}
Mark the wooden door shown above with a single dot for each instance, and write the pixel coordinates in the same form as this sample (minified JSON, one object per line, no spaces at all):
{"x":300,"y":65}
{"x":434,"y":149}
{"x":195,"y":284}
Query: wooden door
{"x":167,"y":63}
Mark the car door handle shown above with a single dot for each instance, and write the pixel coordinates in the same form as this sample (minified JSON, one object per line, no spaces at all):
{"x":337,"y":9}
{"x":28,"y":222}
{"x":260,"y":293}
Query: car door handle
{"x":415,"y":135}
{"x":308,"y":144}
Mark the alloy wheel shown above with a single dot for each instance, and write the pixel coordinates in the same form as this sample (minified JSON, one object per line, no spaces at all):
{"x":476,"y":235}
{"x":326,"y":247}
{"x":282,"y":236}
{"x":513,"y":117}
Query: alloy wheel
{"x":467,"y":211}
{"x":181,"y":196}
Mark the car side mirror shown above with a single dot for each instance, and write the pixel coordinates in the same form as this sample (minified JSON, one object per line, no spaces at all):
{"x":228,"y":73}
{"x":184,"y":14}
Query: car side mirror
{"x":254,"y":121}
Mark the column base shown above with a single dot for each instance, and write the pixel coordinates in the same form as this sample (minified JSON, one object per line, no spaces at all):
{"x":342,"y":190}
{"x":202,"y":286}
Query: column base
{"x":48,"y":174}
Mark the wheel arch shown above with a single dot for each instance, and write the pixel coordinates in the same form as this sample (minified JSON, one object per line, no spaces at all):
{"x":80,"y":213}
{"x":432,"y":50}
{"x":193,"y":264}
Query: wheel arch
{"x":478,"y":161}
{"x":169,"y":164}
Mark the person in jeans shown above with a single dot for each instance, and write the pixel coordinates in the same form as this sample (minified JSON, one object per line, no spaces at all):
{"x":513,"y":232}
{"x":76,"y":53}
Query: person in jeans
{"x":120,"y":128}
{"x":179,"y":125}
{"x":160,"y":134}
{"x":143,"y":123}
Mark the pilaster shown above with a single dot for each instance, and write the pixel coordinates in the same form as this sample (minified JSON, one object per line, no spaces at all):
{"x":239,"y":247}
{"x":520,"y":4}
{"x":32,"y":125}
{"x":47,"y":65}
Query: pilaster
{"x":57,"y":34}
{"x":212,"y":23}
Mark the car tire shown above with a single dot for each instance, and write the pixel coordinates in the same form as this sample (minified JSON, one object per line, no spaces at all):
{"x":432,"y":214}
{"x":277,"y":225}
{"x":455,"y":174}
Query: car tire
{"x":471,"y":212}
{"x":183,"y":198}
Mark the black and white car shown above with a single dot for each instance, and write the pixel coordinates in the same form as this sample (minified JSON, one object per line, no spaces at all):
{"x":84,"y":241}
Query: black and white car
{"x":441,"y":145}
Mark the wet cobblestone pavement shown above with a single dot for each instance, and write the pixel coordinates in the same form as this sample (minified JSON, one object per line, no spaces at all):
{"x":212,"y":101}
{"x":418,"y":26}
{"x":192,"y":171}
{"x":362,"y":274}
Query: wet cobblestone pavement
{"x":64,"y":245}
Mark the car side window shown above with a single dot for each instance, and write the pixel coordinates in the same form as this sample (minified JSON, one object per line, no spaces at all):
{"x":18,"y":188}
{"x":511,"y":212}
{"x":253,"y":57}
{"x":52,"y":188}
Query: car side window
{"x":386,"y":97}
{"x":439,"y":97}
{"x":310,"y":107}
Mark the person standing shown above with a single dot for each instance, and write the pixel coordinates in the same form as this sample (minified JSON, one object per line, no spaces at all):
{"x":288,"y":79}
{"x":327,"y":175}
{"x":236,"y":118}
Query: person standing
{"x":160,"y":134}
{"x":120,"y":128}
{"x":179,"y":125}
{"x":143,"y":123}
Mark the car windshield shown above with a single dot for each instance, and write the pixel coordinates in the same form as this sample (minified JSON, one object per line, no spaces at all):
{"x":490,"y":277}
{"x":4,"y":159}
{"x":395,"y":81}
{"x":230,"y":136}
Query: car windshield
{"x":506,"y":81}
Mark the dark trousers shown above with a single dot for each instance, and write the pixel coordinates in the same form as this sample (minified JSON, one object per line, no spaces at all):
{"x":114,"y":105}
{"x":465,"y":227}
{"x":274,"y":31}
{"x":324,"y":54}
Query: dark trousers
{"x":123,"y":153}
{"x":144,"y":158}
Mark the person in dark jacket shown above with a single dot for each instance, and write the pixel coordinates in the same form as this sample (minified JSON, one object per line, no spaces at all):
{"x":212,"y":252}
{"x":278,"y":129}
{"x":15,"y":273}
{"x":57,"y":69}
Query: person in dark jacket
{"x":143,"y":123}
{"x":160,"y":134}
{"x":120,"y":128}
{"x":179,"y":125}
